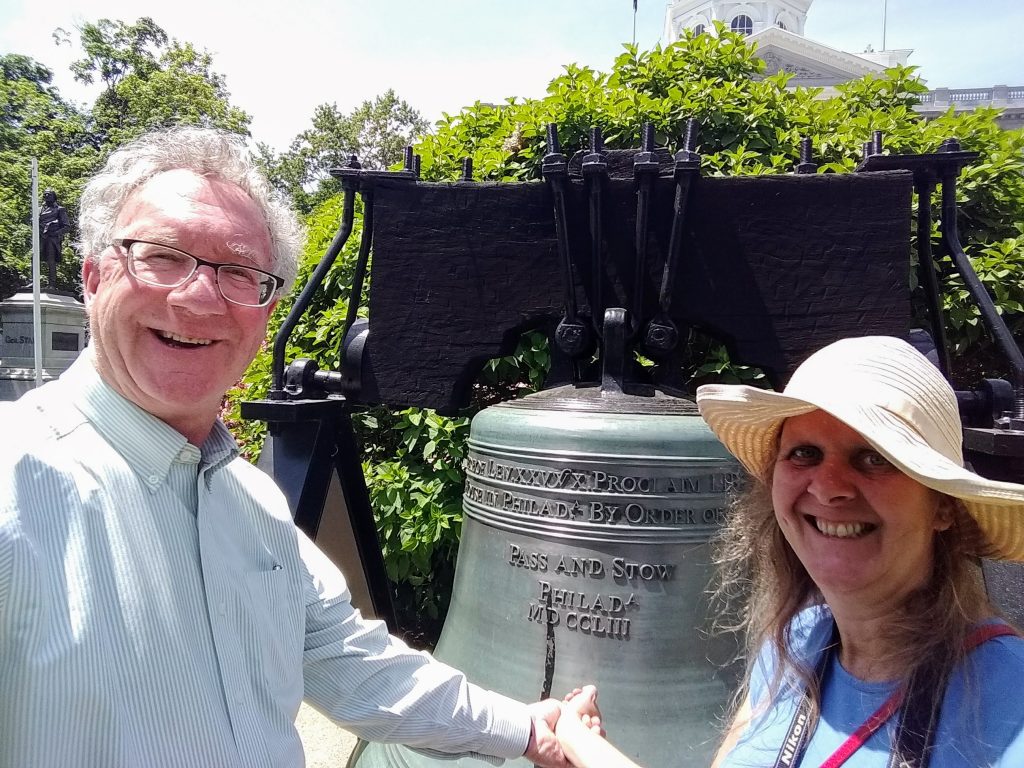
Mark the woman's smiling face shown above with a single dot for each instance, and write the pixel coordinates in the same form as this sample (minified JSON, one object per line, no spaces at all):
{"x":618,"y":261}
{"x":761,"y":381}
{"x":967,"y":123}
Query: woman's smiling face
{"x":859,"y":525}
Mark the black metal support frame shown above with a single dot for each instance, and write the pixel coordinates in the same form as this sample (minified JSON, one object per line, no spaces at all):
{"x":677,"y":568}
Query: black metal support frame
{"x":309,"y":411}
{"x":315,"y":281}
{"x":313,"y":440}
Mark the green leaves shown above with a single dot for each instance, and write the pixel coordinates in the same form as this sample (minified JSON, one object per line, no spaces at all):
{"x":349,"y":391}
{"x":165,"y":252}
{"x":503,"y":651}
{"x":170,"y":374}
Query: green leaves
{"x":750,"y":124}
{"x":377,"y":132}
{"x":417,"y":502}
{"x":35,"y":121}
{"x":1000,"y":267}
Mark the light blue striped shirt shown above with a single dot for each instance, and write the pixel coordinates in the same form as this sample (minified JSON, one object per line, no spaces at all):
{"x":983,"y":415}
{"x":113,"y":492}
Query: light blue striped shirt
{"x":159,"y":608}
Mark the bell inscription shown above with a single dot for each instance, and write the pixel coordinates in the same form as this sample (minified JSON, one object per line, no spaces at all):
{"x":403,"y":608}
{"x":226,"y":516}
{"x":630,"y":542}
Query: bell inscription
{"x":554,"y":487}
{"x":607,"y":607}
{"x":601,"y":614}
{"x":486,"y":469}
{"x":631,"y":513}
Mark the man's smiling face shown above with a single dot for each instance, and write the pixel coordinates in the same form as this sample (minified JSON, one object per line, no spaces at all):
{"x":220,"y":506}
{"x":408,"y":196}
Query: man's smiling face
{"x":175,"y":351}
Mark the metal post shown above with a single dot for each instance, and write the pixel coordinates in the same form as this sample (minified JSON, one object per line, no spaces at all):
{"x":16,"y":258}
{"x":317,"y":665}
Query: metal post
{"x":885,"y":14}
{"x":924,"y":186}
{"x":349,"y":186}
{"x":37,"y":315}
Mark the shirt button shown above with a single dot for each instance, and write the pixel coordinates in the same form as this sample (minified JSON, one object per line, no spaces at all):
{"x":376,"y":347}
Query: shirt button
{"x":189,"y":454}
{"x":153,"y":479}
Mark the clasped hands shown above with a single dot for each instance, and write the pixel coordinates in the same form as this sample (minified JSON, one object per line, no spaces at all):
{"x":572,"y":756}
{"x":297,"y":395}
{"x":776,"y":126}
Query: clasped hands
{"x":553,"y":721}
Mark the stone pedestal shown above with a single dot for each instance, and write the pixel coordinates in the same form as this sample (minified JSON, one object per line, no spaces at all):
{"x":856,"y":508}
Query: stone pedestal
{"x":63,"y":326}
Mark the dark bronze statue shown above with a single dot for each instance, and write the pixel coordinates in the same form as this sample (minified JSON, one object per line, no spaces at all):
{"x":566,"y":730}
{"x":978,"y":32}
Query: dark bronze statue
{"x":53,"y":223}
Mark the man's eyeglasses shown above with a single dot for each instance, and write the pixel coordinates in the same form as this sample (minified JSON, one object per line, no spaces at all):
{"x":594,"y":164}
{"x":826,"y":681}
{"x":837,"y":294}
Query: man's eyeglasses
{"x":167,"y":267}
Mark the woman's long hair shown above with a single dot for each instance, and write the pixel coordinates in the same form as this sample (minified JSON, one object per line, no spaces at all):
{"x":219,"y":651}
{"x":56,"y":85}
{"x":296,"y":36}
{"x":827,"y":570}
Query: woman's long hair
{"x":762,"y":585}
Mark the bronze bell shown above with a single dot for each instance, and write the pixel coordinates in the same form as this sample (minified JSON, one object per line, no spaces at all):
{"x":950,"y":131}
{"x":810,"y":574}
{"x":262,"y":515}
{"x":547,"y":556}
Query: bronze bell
{"x":585,"y":558}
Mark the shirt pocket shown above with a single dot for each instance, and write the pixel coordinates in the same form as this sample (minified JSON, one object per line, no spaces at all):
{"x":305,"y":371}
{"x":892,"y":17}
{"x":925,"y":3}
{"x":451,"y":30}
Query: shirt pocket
{"x":276,"y":610}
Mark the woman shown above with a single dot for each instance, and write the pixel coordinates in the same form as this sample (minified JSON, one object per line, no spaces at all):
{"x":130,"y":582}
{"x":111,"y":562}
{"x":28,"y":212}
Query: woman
{"x":871,"y":642}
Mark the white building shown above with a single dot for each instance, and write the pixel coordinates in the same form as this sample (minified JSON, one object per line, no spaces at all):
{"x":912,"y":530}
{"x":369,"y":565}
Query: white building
{"x":778,"y":28}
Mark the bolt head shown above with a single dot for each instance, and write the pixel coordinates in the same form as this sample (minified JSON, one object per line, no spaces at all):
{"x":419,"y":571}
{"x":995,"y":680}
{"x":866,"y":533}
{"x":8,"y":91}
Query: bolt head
{"x":660,"y":337}
{"x":554,"y":163}
{"x":594,"y":163}
{"x":572,"y":337}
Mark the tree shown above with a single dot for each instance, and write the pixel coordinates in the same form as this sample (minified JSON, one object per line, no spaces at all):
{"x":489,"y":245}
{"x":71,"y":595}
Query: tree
{"x":183,"y":90}
{"x":113,"y":50}
{"x":151,"y":81}
{"x":36,"y":122}
{"x":376,"y":132}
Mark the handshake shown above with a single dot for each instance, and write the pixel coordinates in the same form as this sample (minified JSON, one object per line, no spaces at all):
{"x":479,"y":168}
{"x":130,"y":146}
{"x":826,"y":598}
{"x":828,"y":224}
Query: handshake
{"x":570,"y":734}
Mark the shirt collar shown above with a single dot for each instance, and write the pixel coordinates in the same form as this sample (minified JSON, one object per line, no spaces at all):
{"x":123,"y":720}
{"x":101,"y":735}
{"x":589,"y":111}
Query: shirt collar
{"x":219,"y":446}
{"x":148,"y":444}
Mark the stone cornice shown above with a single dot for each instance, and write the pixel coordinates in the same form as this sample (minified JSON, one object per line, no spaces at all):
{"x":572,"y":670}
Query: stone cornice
{"x":784,"y":41}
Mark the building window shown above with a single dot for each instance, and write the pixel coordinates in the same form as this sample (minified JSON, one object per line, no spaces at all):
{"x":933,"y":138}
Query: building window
{"x":699,"y":30}
{"x":782,"y":25}
{"x":742,"y":24}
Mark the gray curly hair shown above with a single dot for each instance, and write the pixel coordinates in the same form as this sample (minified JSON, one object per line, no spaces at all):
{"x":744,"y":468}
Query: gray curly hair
{"x":206,"y":151}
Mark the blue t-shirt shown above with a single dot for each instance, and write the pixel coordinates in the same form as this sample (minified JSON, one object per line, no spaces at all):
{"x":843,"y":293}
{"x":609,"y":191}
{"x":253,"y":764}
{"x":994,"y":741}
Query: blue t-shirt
{"x":981,"y":724}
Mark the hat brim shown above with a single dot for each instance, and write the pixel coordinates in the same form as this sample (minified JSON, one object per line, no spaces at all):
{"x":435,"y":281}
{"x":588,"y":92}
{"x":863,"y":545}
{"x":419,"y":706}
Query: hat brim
{"x":747,"y":421}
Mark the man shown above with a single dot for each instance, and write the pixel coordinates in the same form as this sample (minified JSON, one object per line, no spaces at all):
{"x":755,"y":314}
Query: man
{"x":53,"y":223}
{"x":157,"y":605}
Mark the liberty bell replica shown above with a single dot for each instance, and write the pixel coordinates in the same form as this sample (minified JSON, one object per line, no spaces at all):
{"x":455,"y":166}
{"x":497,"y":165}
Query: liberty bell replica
{"x":589,"y":507}
{"x":584,"y":558}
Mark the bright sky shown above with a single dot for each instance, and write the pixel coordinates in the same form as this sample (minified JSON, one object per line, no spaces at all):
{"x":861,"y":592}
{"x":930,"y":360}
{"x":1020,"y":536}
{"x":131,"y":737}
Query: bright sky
{"x":281,"y":59}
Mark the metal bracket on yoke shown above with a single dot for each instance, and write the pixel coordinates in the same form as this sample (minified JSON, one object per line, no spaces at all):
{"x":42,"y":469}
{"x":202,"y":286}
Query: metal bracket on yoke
{"x":572,"y":335}
{"x":311,"y":452}
{"x":661,"y":337}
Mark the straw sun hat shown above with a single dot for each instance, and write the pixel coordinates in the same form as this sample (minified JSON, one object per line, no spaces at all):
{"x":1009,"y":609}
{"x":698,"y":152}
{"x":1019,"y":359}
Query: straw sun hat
{"x":897,"y":400}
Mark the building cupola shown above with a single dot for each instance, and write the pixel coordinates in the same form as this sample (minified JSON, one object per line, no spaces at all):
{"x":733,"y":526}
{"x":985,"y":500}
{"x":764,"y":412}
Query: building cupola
{"x":746,"y":18}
